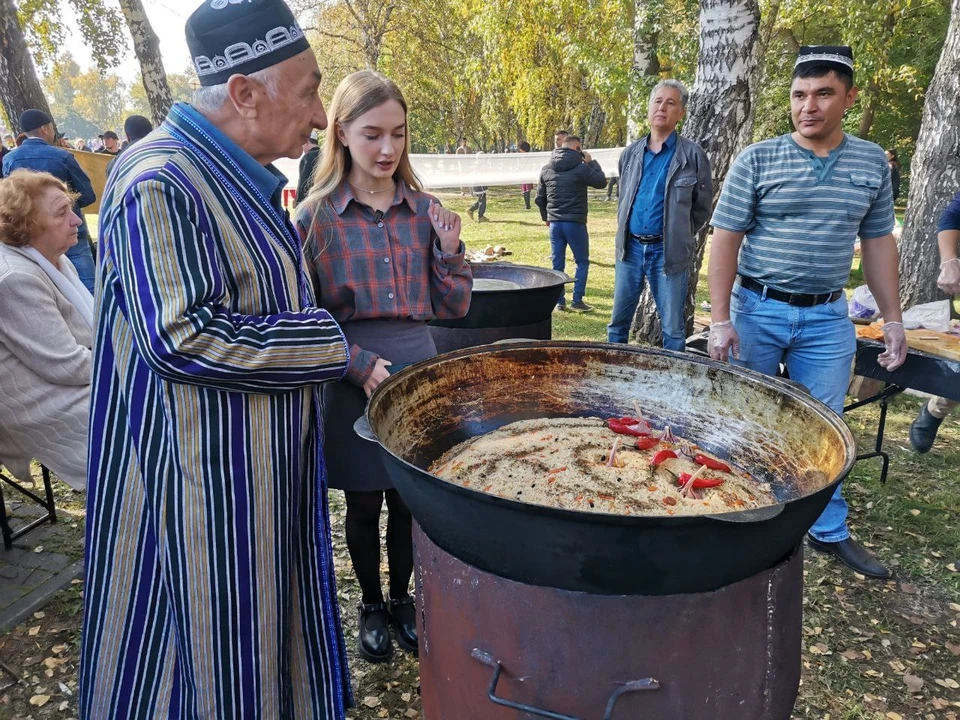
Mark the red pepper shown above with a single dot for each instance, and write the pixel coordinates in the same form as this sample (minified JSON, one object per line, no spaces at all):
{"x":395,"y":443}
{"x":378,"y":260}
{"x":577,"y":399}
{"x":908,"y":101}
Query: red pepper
{"x":699,"y":483}
{"x":647,"y":443}
{"x":637,"y":429}
{"x":662,"y":455}
{"x":701,"y":459}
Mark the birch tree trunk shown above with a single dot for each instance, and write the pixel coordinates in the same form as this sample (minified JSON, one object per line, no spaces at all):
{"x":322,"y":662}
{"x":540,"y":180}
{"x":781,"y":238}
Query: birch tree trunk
{"x":19,"y":87}
{"x":646,"y":64}
{"x":147,"y":47}
{"x":934,"y":174}
{"x":719,"y":117}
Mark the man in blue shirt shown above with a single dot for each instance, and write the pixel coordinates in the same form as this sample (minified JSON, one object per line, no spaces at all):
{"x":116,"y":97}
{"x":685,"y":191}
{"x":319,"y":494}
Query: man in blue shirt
{"x":667,"y":179}
{"x":38,"y":153}
{"x":924,"y":429}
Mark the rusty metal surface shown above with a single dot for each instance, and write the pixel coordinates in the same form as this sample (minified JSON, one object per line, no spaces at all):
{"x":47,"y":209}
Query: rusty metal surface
{"x":731,"y":653}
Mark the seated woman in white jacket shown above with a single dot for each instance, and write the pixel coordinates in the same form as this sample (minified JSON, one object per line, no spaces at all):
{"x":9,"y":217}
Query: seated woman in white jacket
{"x":46,"y":331}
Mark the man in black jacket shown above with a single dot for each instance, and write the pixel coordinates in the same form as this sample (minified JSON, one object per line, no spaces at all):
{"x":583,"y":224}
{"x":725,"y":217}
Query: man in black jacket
{"x":562,"y":199}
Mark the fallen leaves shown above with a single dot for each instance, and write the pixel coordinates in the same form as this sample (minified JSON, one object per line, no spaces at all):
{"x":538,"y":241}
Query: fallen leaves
{"x":948,"y":683}
{"x":39,"y":700}
{"x":914,"y":684}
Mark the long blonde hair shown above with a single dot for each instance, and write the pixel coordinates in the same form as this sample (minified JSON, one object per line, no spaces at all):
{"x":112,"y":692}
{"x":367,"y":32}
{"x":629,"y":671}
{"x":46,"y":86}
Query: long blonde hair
{"x":357,"y":94}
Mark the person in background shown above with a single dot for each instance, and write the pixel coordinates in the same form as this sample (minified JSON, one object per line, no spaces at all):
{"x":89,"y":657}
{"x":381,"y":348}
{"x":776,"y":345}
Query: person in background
{"x":667,"y":178}
{"x":614,"y":181}
{"x":111,"y":143}
{"x":136,"y":128}
{"x":8,"y":142}
{"x":461,"y":150}
{"x":308,"y":163}
{"x":39,"y":153}
{"x":789,"y":214}
{"x":21,"y":138}
{"x":209,"y":581}
{"x":386,"y":260}
{"x":894,"y":162}
{"x":480,"y":206}
{"x":81,"y":145}
{"x":923,"y":430}
{"x":4,"y":151}
{"x":525,"y":188}
{"x":558,"y":137}
{"x":46,"y":330}
{"x":562,"y":199}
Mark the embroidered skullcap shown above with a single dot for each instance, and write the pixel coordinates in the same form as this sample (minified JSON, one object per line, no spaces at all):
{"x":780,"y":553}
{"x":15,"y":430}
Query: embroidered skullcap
{"x":226,"y":37}
{"x":829,"y":57}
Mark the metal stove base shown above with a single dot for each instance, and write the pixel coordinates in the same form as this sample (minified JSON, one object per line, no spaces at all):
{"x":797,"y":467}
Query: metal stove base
{"x":495,"y":649}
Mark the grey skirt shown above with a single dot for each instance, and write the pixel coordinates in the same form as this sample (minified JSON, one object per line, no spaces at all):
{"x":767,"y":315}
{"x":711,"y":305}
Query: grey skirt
{"x":352,"y":463}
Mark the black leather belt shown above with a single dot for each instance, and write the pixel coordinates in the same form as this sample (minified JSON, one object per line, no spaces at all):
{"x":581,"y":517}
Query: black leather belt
{"x":647,"y":239}
{"x":796,"y":299}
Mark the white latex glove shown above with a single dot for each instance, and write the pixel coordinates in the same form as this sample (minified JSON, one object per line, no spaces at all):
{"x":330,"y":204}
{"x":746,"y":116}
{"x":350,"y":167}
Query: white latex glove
{"x":723,"y":341}
{"x":895,"y":340}
{"x":949,"y":280}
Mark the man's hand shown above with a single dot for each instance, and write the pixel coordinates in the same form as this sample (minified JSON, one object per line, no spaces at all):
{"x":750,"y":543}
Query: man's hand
{"x":547,"y":223}
{"x":587,"y":157}
{"x":723,"y":341}
{"x":949,"y":280}
{"x":378,"y":375}
{"x":895,"y":341}
{"x":446,"y":224}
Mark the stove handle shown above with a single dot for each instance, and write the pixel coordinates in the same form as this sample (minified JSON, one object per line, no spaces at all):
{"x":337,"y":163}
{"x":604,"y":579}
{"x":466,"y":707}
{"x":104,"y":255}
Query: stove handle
{"x":497,"y":666}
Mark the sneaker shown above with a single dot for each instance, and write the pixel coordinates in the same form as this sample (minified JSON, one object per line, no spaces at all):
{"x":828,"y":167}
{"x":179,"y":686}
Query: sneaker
{"x":470,"y":213}
{"x":483,"y":218}
{"x":561,"y":306}
{"x":581,"y":306}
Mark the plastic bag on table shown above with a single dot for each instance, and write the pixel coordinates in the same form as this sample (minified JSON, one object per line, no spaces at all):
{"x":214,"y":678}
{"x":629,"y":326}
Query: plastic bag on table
{"x":932,"y":316}
{"x":863,"y":305}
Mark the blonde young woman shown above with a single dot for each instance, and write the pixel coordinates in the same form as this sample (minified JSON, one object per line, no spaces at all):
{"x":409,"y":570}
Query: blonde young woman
{"x":386,"y":259}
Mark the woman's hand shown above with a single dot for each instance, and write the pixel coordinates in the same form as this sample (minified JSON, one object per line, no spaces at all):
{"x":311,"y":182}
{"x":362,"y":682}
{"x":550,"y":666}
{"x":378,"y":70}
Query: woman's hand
{"x":446,"y":224}
{"x":379,"y":374}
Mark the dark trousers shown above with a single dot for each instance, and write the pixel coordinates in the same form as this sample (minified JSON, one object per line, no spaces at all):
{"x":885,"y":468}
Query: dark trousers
{"x":526,"y":199}
{"x":480,"y":205}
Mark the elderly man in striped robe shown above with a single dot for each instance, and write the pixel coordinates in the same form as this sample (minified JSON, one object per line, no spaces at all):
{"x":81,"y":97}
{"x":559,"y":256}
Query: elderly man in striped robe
{"x":209,"y":572}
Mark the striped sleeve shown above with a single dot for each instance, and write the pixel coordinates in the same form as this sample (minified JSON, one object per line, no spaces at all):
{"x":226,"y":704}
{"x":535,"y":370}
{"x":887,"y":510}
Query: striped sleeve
{"x":880,"y":219}
{"x":174,"y":299}
{"x":738,"y":198}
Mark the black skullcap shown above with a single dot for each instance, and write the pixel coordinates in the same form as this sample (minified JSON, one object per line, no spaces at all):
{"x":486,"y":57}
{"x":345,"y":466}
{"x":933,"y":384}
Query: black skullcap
{"x":32,"y":119}
{"x":226,"y":37}
{"x":137,"y":127}
{"x":828,"y":57}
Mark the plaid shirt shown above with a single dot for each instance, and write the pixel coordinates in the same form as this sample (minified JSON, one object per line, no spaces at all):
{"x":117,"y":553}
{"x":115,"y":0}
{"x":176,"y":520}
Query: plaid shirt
{"x":392,"y":268}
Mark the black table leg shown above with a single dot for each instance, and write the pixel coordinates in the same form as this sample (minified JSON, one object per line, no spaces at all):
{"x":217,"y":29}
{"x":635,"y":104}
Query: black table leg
{"x":47,"y":503}
{"x":883,"y":397}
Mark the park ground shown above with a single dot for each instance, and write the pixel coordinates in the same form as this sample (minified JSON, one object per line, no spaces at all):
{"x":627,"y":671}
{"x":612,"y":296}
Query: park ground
{"x":871,"y":650}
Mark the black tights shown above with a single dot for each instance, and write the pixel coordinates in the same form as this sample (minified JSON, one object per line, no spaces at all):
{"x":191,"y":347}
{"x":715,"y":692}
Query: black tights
{"x":363,"y":542}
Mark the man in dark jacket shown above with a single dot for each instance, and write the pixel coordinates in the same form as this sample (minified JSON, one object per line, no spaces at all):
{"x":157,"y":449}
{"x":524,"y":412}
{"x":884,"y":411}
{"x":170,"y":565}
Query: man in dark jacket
{"x":308,"y":163}
{"x":562,"y":199}
{"x":38,"y":153}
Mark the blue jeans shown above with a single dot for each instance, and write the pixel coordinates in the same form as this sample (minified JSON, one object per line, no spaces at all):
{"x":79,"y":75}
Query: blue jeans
{"x":669,"y":293}
{"x":817,"y":344}
{"x":575,"y":235}
{"x":82,"y":258}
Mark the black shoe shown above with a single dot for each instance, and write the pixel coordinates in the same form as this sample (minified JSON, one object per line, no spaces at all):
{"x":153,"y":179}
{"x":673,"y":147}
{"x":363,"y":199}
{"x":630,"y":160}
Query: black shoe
{"x":403,"y":617}
{"x":374,"y":625}
{"x":923,"y":430}
{"x":581,"y":306}
{"x":853,"y":555}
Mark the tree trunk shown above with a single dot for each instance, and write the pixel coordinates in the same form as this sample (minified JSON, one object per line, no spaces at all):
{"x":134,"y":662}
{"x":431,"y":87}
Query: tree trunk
{"x":147,"y":48}
{"x":19,"y":87}
{"x":934,"y":174}
{"x":719,"y":117}
{"x":869,"y":111}
{"x":646,"y":64}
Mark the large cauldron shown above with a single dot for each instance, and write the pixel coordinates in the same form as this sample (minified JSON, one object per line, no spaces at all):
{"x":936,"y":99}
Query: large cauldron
{"x":769,"y":427}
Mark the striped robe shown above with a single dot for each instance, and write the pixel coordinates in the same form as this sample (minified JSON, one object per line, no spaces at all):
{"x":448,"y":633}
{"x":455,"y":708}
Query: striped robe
{"x":209,"y":569}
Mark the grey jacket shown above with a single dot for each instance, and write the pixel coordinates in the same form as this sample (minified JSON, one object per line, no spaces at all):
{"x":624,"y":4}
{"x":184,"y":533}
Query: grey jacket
{"x":686,"y":207}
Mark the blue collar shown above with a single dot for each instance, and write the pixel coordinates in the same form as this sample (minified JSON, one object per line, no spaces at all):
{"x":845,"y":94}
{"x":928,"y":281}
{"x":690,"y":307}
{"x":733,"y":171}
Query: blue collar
{"x":267,"y":179}
{"x":669,"y":143}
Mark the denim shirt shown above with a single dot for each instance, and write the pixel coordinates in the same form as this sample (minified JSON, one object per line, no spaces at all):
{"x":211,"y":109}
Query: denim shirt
{"x":646,"y":216}
{"x":36,"y":154}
